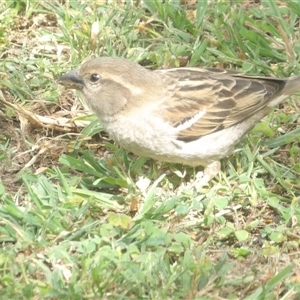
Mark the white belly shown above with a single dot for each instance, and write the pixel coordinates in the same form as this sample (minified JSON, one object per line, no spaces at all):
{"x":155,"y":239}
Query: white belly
{"x":155,"y":139}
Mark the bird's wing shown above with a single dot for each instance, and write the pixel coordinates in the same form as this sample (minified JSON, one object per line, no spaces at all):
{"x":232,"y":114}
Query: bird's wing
{"x":203,"y":101}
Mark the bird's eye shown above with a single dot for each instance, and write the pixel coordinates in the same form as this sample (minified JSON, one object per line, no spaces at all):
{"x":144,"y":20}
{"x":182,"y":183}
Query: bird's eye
{"x":95,"y":77}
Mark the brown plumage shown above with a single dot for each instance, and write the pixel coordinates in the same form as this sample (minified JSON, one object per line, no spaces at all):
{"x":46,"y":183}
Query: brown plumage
{"x":193,"y":116}
{"x":227,"y":97}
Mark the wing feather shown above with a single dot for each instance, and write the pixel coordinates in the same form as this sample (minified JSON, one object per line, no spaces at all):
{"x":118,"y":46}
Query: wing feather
{"x":219,"y":98}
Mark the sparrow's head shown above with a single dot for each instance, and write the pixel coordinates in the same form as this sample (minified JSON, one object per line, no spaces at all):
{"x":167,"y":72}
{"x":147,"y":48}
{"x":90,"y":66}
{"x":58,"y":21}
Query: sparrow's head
{"x":109,"y":84}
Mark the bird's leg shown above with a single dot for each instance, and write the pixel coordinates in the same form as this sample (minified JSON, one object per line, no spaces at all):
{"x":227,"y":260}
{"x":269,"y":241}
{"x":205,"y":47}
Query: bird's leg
{"x":210,"y":171}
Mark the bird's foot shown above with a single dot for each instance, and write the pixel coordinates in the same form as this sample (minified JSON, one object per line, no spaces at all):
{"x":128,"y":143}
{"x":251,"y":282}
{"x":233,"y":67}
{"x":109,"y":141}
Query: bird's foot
{"x":210,"y":171}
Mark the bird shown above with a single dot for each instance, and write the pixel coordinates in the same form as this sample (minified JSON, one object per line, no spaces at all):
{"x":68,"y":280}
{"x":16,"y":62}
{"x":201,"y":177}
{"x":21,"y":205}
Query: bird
{"x":188,"y":115}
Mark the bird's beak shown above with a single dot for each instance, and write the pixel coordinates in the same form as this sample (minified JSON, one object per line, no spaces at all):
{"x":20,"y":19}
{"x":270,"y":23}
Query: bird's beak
{"x":71,"y":80}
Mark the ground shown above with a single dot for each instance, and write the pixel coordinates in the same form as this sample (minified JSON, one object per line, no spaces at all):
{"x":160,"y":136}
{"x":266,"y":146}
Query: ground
{"x":82,"y":218}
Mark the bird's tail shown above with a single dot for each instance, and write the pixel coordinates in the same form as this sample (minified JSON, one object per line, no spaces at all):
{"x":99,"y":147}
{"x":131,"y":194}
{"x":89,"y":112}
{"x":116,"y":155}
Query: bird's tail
{"x":292,"y":85}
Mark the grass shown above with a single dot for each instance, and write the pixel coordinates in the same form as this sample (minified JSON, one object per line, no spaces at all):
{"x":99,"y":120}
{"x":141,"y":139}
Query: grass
{"x":83,"y":219}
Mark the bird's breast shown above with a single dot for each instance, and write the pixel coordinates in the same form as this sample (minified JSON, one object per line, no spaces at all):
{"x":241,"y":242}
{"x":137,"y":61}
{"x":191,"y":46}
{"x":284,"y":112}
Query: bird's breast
{"x":154,"y":138}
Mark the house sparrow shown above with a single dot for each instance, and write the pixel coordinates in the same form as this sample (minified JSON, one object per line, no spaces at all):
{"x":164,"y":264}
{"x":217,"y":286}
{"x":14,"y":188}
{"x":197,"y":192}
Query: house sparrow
{"x":193,"y":116}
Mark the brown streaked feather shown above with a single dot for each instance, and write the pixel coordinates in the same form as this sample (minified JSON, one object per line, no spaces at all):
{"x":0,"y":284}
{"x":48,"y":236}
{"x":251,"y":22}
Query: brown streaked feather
{"x":227,"y":98}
